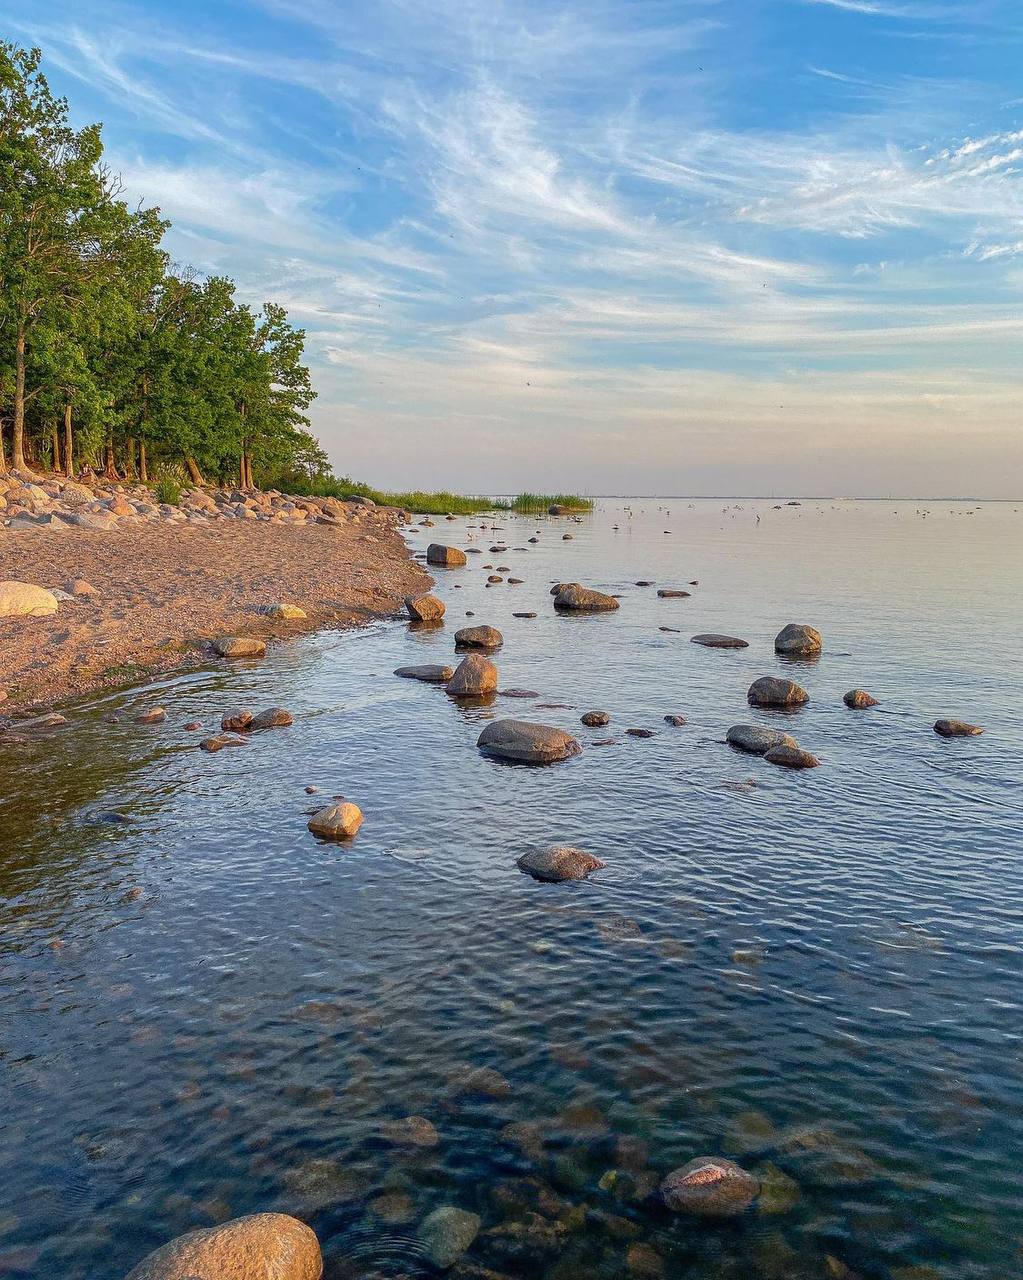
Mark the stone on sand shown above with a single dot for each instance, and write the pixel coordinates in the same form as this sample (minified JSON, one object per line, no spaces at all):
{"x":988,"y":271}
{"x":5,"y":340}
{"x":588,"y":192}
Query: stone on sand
{"x":25,"y":600}
{"x":240,"y":647}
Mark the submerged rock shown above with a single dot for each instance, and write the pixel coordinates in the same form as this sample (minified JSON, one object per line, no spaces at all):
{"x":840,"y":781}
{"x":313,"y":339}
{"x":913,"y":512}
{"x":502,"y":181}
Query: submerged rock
{"x":798,"y":641}
{"x":559,"y":862}
{"x":859,"y":699}
{"x":479,"y":638}
{"x":714,"y":640}
{"x":236,"y":720}
{"x":447,"y":1233}
{"x":240,"y":647}
{"x":756,"y":739}
{"x":595,"y":719}
{"x":425,"y":608}
{"x":273,"y":718}
{"x":154,"y":716}
{"x":24,"y":600}
{"x":672,"y":593}
{"x":474,"y":677}
{"x":221,"y":740}
{"x":640,"y":733}
{"x":790,"y":757}
{"x":337,"y":821}
{"x":956,"y":729}
{"x":263,"y":1246}
{"x":773,"y":691}
{"x":429,"y":672}
{"x":675,"y":720}
{"x":581,"y":599}
{"x":526,"y":743}
{"x":450,"y":557}
{"x":711,"y":1187}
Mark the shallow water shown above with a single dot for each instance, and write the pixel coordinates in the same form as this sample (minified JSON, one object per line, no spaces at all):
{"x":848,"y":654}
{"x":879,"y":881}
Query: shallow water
{"x":817,"y":974}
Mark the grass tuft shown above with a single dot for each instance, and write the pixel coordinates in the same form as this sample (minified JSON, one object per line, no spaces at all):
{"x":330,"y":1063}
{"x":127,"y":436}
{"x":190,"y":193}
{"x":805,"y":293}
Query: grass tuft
{"x":442,"y":502}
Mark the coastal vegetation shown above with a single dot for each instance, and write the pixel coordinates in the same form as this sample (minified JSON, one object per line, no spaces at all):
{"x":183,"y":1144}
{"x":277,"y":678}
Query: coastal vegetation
{"x":437,"y":502}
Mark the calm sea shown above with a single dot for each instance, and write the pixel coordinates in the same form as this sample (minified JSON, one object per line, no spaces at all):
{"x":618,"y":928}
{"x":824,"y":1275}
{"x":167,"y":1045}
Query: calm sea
{"x":816,"y":974}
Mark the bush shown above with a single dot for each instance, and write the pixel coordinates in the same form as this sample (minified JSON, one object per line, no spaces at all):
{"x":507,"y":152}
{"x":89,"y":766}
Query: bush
{"x":168,"y":491}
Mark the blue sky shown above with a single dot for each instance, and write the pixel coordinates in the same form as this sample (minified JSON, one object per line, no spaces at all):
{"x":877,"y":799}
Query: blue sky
{"x":677,"y":246}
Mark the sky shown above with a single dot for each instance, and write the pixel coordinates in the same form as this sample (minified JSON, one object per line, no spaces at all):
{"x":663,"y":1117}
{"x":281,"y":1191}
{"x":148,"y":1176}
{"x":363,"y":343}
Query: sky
{"x":607,"y":246}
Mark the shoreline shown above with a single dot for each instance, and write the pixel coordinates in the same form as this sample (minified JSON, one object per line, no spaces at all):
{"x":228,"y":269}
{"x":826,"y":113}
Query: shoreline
{"x":165,"y":591}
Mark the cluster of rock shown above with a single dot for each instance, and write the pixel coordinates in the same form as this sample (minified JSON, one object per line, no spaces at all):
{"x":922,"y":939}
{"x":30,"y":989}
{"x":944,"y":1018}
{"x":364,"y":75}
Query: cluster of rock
{"x":30,"y":502}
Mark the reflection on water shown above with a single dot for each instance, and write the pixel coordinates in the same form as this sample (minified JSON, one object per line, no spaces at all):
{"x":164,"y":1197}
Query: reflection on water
{"x":204,"y":1011}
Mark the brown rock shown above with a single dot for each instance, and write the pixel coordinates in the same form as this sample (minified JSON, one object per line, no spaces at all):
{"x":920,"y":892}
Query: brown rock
{"x":859,"y":699}
{"x":791,"y":757}
{"x":449,"y":557}
{"x":479,"y":638}
{"x":559,"y":862}
{"x":429,"y":672}
{"x":526,"y":743}
{"x":263,"y":1246}
{"x":273,"y":718}
{"x":475,"y":676}
{"x":671,"y":593}
{"x":336,"y":821}
{"x":709,"y":1187}
{"x":595,"y":719}
{"x":424,"y":608}
{"x":220,"y":741}
{"x":153,"y":716}
{"x":956,"y":729}
{"x":773,"y":691}
{"x":798,"y":641}
{"x":576,"y":598}
{"x":236,"y":720}
{"x":239,"y":647}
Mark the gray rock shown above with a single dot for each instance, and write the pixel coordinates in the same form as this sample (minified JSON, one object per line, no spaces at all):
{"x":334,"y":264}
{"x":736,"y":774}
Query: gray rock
{"x":580,"y":599}
{"x":479,"y":638}
{"x":710,"y":1187}
{"x":447,"y":1233}
{"x":449,"y":557}
{"x":859,"y":699}
{"x":671,"y":593}
{"x":756,"y":739}
{"x":713,"y":640}
{"x":526,"y":743}
{"x":773,"y":691}
{"x":92,"y":520}
{"x":790,"y":757}
{"x":798,"y":641}
{"x":559,"y":862}
{"x":956,"y":729}
{"x":675,"y":720}
{"x":429,"y":672}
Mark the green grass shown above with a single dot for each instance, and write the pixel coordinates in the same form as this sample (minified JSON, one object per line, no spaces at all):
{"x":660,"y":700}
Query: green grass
{"x":168,"y":491}
{"x":442,"y":503}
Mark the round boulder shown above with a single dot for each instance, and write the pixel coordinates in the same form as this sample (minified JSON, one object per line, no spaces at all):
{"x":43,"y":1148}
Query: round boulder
{"x":956,"y":729}
{"x":790,"y":757}
{"x":713,"y":640}
{"x":580,"y":599}
{"x":447,"y":1233}
{"x":474,"y":677}
{"x":236,"y":720}
{"x":479,"y":638}
{"x":525,"y":743}
{"x":273,"y":718}
{"x":559,"y":862}
{"x":239,"y":647}
{"x":710,"y":1187}
{"x":756,"y":739}
{"x":773,"y":691}
{"x":798,"y":641}
{"x":449,"y":557}
{"x":24,"y":600}
{"x":263,"y":1246}
{"x":859,"y":699}
{"x":336,"y":821}
{"x":424,"y":608}
{"x":595,"y":719}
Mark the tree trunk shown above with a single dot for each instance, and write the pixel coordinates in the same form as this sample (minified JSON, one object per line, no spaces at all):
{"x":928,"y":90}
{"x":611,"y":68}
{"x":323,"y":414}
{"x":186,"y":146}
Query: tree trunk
{"x":69,"y":469}
{"x":110,"y":470}
{"x":129,"y":466}
{"x":143,"y":472}
{"x":18,"y":437}
{"x":193,"y":470}
{"x":3,"y":456}
{"x":55,"y":444}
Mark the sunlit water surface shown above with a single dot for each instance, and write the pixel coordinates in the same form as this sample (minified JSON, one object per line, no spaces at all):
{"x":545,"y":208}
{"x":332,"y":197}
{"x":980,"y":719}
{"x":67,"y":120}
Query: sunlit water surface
{"x":817,"y":974}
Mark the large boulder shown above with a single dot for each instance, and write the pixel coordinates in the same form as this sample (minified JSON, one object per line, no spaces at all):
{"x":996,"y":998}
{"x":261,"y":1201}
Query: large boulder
{"x":798,"y":641}
{"x":338,"y":821}
{"x":773,"y":691}
{"x":956,"y":729}
{"x":526,"y":743}
{"x":450,"y":557}
{"x":447,"y":1233}
{"x":263,"y":1246}
{"x":424,"y":608}
{"x":429,"y":672}
{"x":479,"y":638}
{"x":24,"y":600}
{"x":756,"y":739}
{"x":559,"y":862}
{"x":714,"y":640}
{"x":475,"y":677}
{"x":580,"y":599}
{"x":710,"y":1187}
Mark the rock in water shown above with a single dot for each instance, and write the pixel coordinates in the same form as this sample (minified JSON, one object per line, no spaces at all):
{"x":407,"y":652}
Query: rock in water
{"x":236,"y":720}
{"x":859,"y":699}
{"x":337,"y":821}
{"x":475,"y":677}
{"x":559,"y":862}
{"x":153,"y":716}
{"x":273,"y":718}
{"x":713,"y":640}
{"x":24,"y":600}
{"x":450,"y":557}
{"x":263,"y":1246}
{"x":757,"y":740}
{"x":956,"y":729}
{"x":424,"y":608}
{"x":710,"y":1187}
{"x":675,"y":720}
{"x":595,"y":719}
{"x":447,"y":1233}
{"x":671,"y":593}
{"x":479,"y":638}
{"x":240,"y":647}
{"x":772,"y":691}
{"x":580,"y":599}
{"x":798,"y":641}
{"x":791,"y":757}
{"x":429,"y":672}
{"x":526,"y":743}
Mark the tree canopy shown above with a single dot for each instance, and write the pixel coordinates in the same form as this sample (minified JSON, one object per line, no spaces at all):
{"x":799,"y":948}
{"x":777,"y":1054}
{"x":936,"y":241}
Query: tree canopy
{"x":111,"y":357}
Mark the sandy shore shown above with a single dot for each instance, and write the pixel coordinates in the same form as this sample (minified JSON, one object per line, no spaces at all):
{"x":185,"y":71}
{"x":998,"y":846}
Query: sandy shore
{"x":165,"y":590}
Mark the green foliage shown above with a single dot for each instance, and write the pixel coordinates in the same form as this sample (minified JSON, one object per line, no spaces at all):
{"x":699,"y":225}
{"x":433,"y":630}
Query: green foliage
{"x":168,"y":491}
{"x":537,"y":503}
